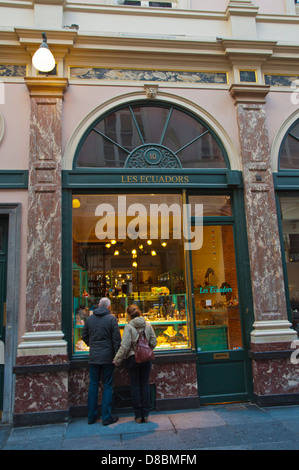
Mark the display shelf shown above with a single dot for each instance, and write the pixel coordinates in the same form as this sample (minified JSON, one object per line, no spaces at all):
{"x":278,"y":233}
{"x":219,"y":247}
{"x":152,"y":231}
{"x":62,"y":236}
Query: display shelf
{"x":167,"y":315}
{"x":161,"y":323}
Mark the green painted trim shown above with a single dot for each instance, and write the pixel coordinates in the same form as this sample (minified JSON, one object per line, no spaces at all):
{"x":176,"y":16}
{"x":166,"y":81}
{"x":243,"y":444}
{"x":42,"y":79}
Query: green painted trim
{"x":66,"y":269}
{"x":13,"y":179}
{"x":229,"y":398}
{"x":122,"y":178}
{"x":286,"y":180}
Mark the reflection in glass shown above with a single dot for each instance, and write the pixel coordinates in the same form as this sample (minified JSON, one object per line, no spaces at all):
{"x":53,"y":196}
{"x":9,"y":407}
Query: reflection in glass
{"x":217,"y":312}
{"x":147,"y":270}
{"x":110,"y":141}
{"x":290,"y":226}
{"x":289,"y":153}
{"x":218,"y":206}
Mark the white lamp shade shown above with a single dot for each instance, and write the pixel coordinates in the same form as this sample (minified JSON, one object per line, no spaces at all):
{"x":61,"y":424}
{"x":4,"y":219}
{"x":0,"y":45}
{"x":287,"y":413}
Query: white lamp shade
{"x":43,"y":59}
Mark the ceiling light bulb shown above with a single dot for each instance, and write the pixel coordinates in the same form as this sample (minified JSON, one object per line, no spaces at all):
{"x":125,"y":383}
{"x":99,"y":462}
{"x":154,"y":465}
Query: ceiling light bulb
{"x":76,"y":203}
{"x":43,"y":59}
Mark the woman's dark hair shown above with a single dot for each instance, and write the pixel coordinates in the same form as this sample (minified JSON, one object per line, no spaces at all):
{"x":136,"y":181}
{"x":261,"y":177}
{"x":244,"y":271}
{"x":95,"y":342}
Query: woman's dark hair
{"x":133,"y":311}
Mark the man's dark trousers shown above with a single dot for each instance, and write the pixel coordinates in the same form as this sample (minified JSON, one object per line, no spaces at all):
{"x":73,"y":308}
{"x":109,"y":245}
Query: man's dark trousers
{"x":95,"y":371}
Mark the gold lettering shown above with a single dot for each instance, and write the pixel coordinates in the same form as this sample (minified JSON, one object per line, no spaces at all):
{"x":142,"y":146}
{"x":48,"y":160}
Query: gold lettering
{"x":154,"y":179}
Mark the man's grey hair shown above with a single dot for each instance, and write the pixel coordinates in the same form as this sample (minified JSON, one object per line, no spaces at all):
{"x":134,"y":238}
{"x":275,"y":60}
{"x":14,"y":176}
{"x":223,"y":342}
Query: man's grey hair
{"x":104,"y":302}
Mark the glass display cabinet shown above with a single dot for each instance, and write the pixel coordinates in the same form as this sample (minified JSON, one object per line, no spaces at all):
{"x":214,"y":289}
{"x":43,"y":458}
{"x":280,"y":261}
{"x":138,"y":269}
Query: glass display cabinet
{"x":166,"y":313}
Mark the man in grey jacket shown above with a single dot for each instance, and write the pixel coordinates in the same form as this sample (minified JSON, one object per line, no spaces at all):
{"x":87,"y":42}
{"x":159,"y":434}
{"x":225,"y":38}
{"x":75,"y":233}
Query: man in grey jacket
{"x":101,"y":334}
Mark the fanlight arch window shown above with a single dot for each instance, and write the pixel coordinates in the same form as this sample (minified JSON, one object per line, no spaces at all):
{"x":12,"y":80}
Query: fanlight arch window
{"x":152,"y":135}
{"x":289,"y":150}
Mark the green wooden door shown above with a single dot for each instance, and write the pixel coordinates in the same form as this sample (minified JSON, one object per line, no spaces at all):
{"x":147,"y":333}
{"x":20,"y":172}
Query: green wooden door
{"x":220,"y":308}
{"x":3,"y":273}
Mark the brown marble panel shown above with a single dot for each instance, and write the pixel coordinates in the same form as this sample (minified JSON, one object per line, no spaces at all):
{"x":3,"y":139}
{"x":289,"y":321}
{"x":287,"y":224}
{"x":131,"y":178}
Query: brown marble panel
{"x":44,"y":216}
{"x":275,"y":377}
{"x":42,"y":360}
{"x":171,"y":380}
{"x":41,"y":392}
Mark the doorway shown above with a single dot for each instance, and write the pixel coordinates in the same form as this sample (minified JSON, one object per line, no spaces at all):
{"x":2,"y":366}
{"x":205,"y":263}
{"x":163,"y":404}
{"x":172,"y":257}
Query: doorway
{"x":223,"y":368}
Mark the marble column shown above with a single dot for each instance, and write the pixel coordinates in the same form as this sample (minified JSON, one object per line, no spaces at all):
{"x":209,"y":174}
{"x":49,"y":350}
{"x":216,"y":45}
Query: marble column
{"x":43,"y":348}
{"x":272,"y":332}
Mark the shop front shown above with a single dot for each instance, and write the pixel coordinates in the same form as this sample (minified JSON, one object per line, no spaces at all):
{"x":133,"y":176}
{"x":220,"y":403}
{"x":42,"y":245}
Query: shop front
{"x":153,"y":215}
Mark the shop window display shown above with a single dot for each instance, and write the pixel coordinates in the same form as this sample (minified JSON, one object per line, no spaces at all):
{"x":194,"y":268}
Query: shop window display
{"x":218,"y":325}
{"x":144,"y":270}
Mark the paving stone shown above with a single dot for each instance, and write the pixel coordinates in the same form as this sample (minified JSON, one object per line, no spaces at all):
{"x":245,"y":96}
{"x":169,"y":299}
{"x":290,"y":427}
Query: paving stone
{"x":197,"y":419}
{"x":164,"y":440}
{"x":256,"y":433}
{"x":93,"y":443}
{"x":220,"y":436}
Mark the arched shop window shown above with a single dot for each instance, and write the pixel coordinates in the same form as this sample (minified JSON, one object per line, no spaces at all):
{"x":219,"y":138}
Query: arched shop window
{"x":128,"y":243}
{"x":120,"y":140}
{"x":289,"y":213}
{"x":289,"y":152}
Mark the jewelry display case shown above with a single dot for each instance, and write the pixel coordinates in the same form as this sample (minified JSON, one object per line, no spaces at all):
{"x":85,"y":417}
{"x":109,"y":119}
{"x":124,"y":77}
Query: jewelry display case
{"x":166,"y":313}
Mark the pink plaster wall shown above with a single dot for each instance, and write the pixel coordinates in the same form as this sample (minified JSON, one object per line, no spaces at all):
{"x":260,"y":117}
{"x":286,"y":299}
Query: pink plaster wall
{"x":279,"y":108}
{"x":215,"y":5}
{"x":14,"y":148}
{"x":271,"y":7}
{"x":79,"y":100}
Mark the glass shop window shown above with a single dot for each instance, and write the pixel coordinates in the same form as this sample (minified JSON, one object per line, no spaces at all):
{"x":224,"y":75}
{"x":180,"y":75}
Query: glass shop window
{"x":218,"y":325}
{"x":289,"y":207}
{"x":125,"y":250}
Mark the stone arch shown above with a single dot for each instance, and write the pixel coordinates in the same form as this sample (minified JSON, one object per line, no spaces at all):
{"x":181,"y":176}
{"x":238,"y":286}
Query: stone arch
{"x":278,"y":139}
{"x":96,"y":113}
